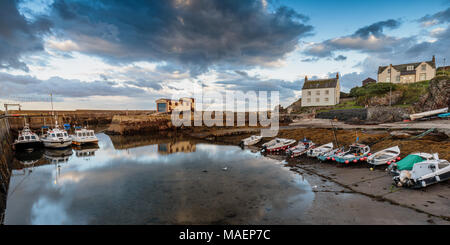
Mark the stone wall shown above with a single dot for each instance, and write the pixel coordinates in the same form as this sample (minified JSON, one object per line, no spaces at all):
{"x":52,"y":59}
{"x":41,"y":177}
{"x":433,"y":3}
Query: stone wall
{"x":6,"y":156}
{"x":344,"y":115}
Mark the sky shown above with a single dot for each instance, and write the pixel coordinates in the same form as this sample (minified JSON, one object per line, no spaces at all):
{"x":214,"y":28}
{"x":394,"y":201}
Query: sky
{"x":108,"y":54}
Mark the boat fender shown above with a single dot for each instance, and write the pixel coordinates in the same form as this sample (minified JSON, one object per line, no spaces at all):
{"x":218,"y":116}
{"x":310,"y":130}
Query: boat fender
{"x":355,"y":160}
{"x":398,"y":158}
{"x":346,"y":161}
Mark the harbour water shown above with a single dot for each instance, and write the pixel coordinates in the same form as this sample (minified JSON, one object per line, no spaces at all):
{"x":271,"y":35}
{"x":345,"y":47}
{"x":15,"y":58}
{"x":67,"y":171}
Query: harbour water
{"x":145,"y":180}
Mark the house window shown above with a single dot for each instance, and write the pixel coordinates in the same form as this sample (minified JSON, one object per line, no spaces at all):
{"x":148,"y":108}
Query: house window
{"x":327,"y":92}
{"x":389,"y":70}
{"x":308,"y":100}
{"x":388,"y":79}
{"x":326,"y":99}
{"x":424,"y":67}
{"x":317,"y":92}
{"x":423,"y":76}
{"x":397,"y":78}
{"x":317,"y":99}
{"x":410,"y":68}
{"x":309,"y":93}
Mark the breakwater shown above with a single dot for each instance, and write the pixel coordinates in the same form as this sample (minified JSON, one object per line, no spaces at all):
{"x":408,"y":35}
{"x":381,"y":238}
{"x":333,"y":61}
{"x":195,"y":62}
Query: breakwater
{"x":6,"y":156}
{"x":37,"y":118}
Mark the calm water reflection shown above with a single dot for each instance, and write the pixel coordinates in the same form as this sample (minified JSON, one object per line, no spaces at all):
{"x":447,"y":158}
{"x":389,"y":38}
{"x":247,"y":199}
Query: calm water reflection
{"x":139,"y":180}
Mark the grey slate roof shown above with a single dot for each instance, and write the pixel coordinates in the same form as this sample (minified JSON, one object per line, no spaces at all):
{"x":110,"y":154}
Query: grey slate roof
{"x":320,"y":83}
{"x":402,"y":68}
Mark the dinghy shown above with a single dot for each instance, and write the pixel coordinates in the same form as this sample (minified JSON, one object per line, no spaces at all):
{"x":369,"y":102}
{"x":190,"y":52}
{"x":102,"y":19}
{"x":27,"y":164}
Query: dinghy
{"x":386,"y":156}
{"x":428,"y":113}
{"x":330,"y":155}
{"x":27,"y":139}
{"x":316,"y":151}
{"x":424,"y":173}
{"x":254,"y":139}
{"x":301,"y":148}
{"x":277,"y":144}
{"x":356,"y":152}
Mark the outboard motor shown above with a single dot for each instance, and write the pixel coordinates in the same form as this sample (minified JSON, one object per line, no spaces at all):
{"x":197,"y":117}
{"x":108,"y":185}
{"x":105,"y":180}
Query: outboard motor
{"x":264,"y":149}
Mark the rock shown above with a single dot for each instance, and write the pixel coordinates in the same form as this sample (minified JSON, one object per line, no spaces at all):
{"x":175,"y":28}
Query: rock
{"x":438,"y":95}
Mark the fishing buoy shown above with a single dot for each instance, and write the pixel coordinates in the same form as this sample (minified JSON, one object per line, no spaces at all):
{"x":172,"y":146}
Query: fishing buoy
{"x":333,"y":159}
{"x":355,"y":160}
{"x":328,"y":158}
{"x":393,"y":160}
{"x":346,"y":161}
{"x":361,"y":159}
{"x":398,"y":158}
{"x":369,"y":154}
{"x":389,"y":163}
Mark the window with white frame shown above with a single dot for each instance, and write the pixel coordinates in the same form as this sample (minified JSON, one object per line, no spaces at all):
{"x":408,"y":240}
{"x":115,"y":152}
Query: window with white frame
{"x":326,"y":99}
{"x":309,"y":93}
{"x":423,"y":67}
{"x":317,"y":99}
{"x":422,"y":76}
{"x":317,"y":92}
{"x":327,"y":92}
{"x":308,"y":100}
{"x":410,"y":68}
{"x":388,"y":79}
{"x":397,"y":78}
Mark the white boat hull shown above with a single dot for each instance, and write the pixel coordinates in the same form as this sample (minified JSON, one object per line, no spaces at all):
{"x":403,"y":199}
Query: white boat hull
{"x":57,"y":144}
{"x":384,"y":156}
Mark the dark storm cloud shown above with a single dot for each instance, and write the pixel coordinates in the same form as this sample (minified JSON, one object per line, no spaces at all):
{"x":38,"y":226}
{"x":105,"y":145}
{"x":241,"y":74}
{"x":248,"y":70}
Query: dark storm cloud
{"x":366,"y":39}
{"x":29,"y":85}
{"x":194,"y":33}
{"x":18,"y":36}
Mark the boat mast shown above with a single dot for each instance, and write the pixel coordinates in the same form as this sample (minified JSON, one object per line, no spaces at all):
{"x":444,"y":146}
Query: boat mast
{"x":53,"y":111}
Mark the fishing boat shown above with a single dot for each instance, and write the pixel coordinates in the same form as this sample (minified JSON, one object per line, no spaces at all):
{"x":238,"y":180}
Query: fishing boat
{"x":301,"y":148}
{"x":330,"y":155}
{"x":409,"y":161}
{"x":386,"y":156}
{"x":356,"y":152}
{"x":316,"y":151}
{"x":277,"y":144}
{"x":56,"y":138}
{"x":27,"y":139}
{"x":84,"y":136}
{"x":254,"y":139}
{"x":424,"y":173}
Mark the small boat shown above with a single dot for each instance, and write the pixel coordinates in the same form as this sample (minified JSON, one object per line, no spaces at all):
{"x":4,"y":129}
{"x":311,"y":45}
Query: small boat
{"x":56,"y":138}
{"x":254,"y":139}
{"x":428,"y":113}
{"x":386,"y":156}
{"x":316,"y":151}
{"x":408,"y":162}
{"x":424,"y":173}
{"x":356,"y":152}
{"x":277,"y":144}
{"x":301,"y":148}
{"x":330,"y":155}
{"x":27,"y":139}
{"x":84,"y":136}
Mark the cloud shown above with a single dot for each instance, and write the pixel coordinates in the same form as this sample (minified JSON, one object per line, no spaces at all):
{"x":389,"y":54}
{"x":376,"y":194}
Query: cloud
{"x":196,"y":34}
{"x":437,"y":18}
{"x":18,"y":36}
{"x":26,"y":85}
{"x":340,"y":58}
{"x":366,"y":39}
